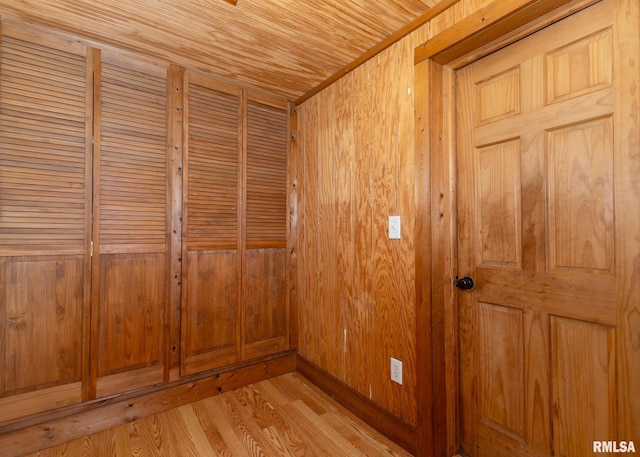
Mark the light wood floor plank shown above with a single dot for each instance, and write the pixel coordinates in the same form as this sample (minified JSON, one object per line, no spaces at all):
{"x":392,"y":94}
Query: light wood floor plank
{"x":272,"y":424}
{"x":284,"y":416}
{"x":213,"y":434}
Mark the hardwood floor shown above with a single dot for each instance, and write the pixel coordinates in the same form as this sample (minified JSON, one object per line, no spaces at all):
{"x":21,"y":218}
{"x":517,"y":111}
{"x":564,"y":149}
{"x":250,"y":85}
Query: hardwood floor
{"x":283,"y":416}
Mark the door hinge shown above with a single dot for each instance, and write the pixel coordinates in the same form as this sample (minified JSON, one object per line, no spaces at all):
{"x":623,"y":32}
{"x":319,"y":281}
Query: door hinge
{"x":91,"y":249}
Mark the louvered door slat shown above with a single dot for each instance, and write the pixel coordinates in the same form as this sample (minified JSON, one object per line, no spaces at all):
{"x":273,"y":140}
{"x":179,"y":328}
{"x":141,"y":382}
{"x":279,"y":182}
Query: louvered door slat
{"x":132,"y":157}
{"x":42,"y":149}
{"x":266,"y":173}
{"x":212,"y":167}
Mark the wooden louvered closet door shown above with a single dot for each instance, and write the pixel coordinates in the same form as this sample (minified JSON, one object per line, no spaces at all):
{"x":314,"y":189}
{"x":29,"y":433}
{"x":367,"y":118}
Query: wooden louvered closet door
{"x":130,"y":225}
{"x":266,"y":320}
{"x":234,"y":300}
{"x":211,"y":238}
{"x":44,"y":220}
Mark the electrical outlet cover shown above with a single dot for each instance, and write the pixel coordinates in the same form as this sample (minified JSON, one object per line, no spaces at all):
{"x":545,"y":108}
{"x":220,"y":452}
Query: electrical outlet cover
{"x":396,"y":370}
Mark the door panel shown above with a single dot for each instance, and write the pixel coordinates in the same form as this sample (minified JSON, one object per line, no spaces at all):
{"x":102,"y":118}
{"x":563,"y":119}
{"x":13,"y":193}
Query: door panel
{"x":210,"y":319}
{"x":130,"y":231}
{"x":583,"y":367}
{"x":210,"y":232}
{"x":265,"y":320}
{"x":501,"y":376}
{"x":44,"y":220}
{"x":580,"y":197}
{"x":537,"y":206}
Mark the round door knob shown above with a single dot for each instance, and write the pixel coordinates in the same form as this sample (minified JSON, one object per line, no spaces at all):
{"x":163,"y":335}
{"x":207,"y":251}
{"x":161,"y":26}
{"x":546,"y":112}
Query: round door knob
{"x":465,"y":283}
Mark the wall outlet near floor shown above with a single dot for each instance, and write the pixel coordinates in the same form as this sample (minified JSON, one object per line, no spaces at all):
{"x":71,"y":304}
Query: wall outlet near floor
{"x":396,"y":370}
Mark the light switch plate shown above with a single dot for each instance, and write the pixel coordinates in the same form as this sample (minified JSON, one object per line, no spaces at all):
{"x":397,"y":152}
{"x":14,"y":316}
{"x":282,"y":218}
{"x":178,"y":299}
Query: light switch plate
{"x":394,"y":227}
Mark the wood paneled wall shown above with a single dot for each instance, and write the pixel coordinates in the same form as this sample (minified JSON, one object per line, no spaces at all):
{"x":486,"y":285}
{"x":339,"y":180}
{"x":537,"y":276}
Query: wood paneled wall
{"x":355,"y":167}
{"x":113,"y":169}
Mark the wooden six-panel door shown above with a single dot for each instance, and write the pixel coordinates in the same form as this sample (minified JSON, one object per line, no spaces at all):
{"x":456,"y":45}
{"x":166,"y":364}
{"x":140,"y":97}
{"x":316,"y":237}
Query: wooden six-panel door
{"x":542,"y":223}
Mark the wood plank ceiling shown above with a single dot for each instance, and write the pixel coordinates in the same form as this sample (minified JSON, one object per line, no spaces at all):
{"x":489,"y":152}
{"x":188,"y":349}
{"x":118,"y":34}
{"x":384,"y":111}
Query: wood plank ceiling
{"x":286,"y":47}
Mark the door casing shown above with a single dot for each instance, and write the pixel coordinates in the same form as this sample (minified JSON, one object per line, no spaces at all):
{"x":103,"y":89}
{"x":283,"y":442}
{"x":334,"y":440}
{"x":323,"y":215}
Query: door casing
{"x":436,"y":217}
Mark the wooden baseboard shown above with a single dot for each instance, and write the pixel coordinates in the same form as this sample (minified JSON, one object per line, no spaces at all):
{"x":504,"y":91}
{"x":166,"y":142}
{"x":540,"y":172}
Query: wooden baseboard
{"x":382,"y":420}
{"x":66,"y":424}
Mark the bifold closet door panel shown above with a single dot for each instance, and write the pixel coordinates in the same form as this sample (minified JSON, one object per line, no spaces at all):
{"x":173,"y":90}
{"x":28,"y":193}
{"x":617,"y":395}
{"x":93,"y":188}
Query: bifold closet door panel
{"x":211,"y":234}
{"x":131,"y":209}
{"x":266,"y":317}
{"x":44,"y":217}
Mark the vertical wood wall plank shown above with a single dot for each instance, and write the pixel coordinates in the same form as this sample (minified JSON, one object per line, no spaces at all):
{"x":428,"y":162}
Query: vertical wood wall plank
{"x":88,"y":198}
{"x":95,"y":235}
{"x":344,"y":163}
{"x":301,"y":273}
{"x":405,"y":250}
{"x":329,"y":316}
{"x":627,"y":170}
{"x":359,"y":356}
{"x":293,"y":224}
{"x":387,"y":325}
{"x":424,"y":360}
{"x":175,"y":84}
{"x":311,"y":229}
{"x":242,"y":222}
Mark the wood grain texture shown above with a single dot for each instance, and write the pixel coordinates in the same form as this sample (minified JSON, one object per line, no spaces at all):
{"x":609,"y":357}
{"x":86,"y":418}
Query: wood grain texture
{"x":293,"y":221}
{"x":212,"y":164}
{"x":44,"y":221}
{"x":235,"y":224}
{"x":577,"y":345}
{"x":252,"y":420}
{"x":130,"y":233}
{"x":329,"y":317}
{"x":345,"y":230}
{"x":124,"y":155}
{"x":175,"y":167}
{"x":41,"y":309}
{"x":555,"y":421}
{"x":627,"y":168}
{"x":425,"y":129}
{"x":368,"y":118}
{"x":361,"y":406}
{"x":58,"y":427}
{"x":266,"y":178}
{"x":385,"y":185}
{"x":133,"y":184}
{"x":441,"y":141}
{"x":488,"y":23}
{"x":580,"y":193}
{"x":131,"y":314}
{"x":358,"y":357}
{"x":210,"y":312}
{"x":42,"y":135}
{"x":266,"y":325}
{"x":308,"y":313}
{"x":263,"y":45}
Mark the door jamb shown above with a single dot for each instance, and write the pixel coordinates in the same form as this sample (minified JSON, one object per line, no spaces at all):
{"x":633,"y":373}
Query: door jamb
{"x":491,"y":28}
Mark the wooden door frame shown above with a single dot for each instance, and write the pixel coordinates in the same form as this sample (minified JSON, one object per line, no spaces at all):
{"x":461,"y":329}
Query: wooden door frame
{"x":491,"y":28}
